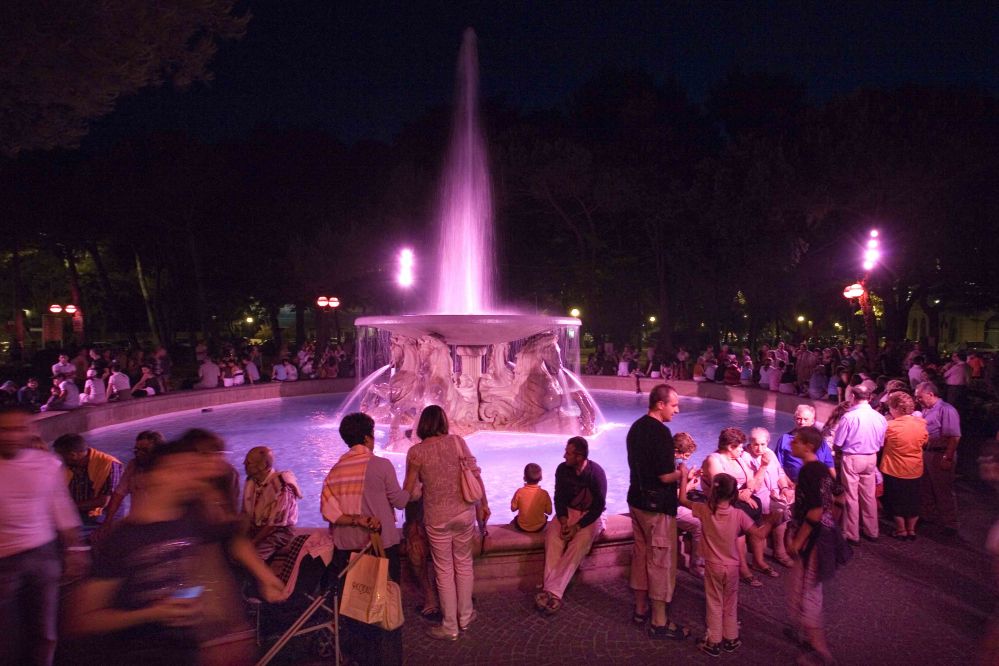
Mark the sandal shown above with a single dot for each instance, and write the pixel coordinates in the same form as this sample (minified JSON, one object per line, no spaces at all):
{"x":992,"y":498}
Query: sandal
{"x":432,"y":613}
{"x":752,"y":581}
{"x":672,"y":631}
{"x":901,"y":536}
{"x":640,"y":618}
{"x":541,"y":601}
{"x":766,"y":571}
{"x":554,"y":605}
{"x":785,"y":561}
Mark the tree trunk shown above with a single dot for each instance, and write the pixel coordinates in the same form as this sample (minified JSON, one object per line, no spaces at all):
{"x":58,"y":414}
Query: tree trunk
{"x":76,"y":294}
{"x":272,"y":313}
{"x":18,"y":350}
{"x":150,"y":311}
{"x":199,"y":281}
{"x":110,"y":300}
{"x":300,"y":322}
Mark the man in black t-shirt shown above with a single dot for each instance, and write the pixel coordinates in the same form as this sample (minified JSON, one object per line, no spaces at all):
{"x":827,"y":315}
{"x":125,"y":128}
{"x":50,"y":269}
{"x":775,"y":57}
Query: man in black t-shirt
{"x":652,"y":502}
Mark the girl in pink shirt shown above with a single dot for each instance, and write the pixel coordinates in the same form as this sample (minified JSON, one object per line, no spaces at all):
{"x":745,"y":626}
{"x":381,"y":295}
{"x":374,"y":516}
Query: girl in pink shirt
{"x":722,"y":524}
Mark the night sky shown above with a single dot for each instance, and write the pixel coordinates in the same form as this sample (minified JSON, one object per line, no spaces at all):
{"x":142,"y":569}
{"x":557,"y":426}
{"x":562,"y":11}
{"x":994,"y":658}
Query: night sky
{"x":363,"y":70}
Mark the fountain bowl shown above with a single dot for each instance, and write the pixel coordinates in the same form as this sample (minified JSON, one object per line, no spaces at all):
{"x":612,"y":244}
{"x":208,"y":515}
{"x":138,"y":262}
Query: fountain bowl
{"x":469,"y":329}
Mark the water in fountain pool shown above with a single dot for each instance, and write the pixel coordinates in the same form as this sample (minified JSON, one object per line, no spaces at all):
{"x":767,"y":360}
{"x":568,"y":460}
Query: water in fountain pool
{"x":304,"y":437}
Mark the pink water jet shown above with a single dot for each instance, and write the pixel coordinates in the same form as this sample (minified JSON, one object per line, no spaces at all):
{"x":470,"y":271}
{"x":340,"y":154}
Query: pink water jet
{"x":465,"y":217}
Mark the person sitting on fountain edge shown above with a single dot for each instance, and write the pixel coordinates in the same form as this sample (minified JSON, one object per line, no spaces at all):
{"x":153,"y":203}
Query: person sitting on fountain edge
{"x":580,"y":499}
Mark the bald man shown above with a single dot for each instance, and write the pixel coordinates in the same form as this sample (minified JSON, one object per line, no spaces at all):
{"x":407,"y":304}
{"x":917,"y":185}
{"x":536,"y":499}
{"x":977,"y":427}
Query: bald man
{"x":270,"y":503}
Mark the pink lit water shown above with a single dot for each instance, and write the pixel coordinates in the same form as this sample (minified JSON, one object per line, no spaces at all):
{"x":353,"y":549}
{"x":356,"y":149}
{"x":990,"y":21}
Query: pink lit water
{"x":465,"y":215}
{"x":305,"y":440}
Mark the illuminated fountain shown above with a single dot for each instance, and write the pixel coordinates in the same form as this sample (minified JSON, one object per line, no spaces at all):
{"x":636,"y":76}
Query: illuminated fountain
{"x":489,"y":370}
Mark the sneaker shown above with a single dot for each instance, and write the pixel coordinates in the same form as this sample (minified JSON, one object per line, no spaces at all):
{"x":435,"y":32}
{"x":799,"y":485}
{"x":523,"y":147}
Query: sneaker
{"x":731,"y":645}
{"x":441,"y":634}
{"x":710,"y":649}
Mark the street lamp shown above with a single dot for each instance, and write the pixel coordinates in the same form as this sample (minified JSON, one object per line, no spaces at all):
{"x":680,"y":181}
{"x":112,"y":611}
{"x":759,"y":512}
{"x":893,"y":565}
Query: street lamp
{"x":327,"y":303}
{"x":574,"y":313}
{"x":859,"y":290}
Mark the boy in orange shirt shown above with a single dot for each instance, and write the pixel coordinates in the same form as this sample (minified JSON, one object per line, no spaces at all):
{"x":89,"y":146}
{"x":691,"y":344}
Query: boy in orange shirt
{"x":532,"y":501}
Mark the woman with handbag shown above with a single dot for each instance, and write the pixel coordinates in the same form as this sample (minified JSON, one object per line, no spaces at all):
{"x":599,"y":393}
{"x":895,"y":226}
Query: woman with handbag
{"x":452,"y":485}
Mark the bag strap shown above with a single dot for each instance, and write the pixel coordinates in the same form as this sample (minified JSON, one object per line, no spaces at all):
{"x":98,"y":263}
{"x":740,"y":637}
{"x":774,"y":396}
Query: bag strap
{"x":376,"y":545}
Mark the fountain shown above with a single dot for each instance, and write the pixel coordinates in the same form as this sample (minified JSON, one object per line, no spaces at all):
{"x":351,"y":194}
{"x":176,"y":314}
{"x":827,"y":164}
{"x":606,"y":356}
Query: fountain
{"x":489,"y":369}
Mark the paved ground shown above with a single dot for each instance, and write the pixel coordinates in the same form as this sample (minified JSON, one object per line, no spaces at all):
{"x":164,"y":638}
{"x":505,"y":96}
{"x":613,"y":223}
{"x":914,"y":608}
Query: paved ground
{"x":895,"y":603}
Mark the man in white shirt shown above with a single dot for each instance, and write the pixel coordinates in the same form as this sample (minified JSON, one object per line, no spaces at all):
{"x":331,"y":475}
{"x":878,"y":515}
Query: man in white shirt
{"x":63,"y":367}
{"x":68,"y":397}
{"x":916,"y":373}
{"x":956,"y":375}
{"x":208,"y":374}
{"x":859,"y":436}
{"x":39,"y":531}
{"x":119,"y":385}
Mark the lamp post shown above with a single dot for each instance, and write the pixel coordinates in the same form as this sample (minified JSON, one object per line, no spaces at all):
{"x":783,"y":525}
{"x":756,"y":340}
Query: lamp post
{"x":325,"y":304}
{"x":859,"y":290}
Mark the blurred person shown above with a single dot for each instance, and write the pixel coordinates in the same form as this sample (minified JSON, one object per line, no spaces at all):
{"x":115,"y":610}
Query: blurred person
{"x":917,"y":374}
{"x":418,"y":554}
{"x":859,"y":437}
{"x":94,"y":392}
{"x":145,"y":385}
{"x":279,"y":373}
{"x":580,"y":500}
{"x":251,"y":372}
{"x":28,"y":396}
{"x":162,"y":369}
{"x":956,"y":375}
{"x":222,"y":503}
{"x":532,"y":503}
{"x":208,"y":374}
{"x":133,"y":480}
{"x":270,"y":503}
{"x":8,"y":394}
{"x":943,"y":425}
{"x":142,"y":604}
{"x":91,"y":476}
{"x":811,"y":515}
{"x":818,"y":383}
{"x":119,"y":385}
{"x":652,"y":502}
{"x":902,"y":464}
{"x":65,"y":395}
{"x":436,"y":462}
{"x":360,"y":495}
{"x":63,"y":367}
{"x":290,"y":371}
{"x":684,"y":447}
{"x":39,"y":541}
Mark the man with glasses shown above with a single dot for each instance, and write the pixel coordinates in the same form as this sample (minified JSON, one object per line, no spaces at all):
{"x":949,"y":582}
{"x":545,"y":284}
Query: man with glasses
{"x":270,"y":503}
{"x":804,"y":417}
{"x":944,"y":426}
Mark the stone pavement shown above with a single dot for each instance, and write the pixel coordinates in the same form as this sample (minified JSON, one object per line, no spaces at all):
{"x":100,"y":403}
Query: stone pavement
{"x":895,"y":603}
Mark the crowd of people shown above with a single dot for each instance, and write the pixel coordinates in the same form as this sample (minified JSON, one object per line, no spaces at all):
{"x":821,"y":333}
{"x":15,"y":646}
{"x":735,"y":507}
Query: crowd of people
{"x":817,"y":370}
{"x":809,"y":493}
{"x":95,"y":376}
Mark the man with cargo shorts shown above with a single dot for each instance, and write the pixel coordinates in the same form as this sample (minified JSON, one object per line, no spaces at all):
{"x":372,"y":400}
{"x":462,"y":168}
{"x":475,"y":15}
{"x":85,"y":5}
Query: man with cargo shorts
{"x":652,"y":502}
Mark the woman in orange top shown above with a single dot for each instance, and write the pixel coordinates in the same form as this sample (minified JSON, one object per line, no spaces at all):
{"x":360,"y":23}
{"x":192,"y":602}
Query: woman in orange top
{"x":902,"y":464}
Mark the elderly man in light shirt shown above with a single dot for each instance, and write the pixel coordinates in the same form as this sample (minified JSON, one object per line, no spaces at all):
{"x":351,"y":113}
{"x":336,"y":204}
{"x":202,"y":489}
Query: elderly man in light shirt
{"x":859,"y":436}
{"x":270,"y":503}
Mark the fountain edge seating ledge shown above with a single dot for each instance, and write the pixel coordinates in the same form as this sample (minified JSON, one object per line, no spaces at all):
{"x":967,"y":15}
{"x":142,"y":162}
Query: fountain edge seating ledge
{"x":513,"y":559}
